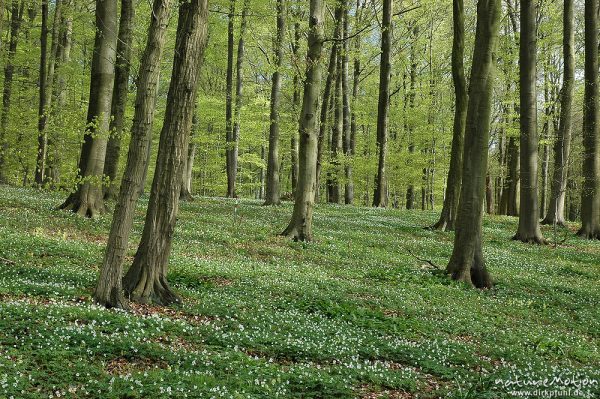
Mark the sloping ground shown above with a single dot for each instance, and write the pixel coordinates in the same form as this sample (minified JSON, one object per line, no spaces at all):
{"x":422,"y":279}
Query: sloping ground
{"x":351,"y":315}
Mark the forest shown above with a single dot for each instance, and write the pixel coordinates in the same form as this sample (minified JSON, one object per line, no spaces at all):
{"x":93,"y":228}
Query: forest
{"x":300,"y":199}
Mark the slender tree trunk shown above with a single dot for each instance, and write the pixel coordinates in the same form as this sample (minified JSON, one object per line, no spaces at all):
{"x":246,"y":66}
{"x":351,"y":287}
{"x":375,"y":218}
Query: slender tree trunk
{"x":16,"y":19}
{"x":545,"y":148}
{"x":296,"y":106}
{"x":233,"y":146}
{"x":300,"y":226}
{"x":410,"y":192}
{"x":119,"y":99}
{"x":61,"y":35}
{"x":346,"y":113}
{"x":337,"y":132}
{"x":454,"y":181}
{"x":109,"y":290}
{"x":229,"y":142}
{"x":327,"y":95}
{"x":385,"y":70}
{"x":529,"y":227}
{"x":355,"y":91}
{"x":562,"y":146}
{"x":40,"y":165}
{"x":590,"y":193}
{"x":467,"y":263}
{"x":188,"y":170}
{"x":273,"y":191}
{"x":146,"y":280}
{"x":88,"y":199}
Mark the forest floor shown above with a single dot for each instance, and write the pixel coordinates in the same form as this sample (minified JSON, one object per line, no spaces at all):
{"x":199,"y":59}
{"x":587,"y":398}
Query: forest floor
{"x":353,"y":314}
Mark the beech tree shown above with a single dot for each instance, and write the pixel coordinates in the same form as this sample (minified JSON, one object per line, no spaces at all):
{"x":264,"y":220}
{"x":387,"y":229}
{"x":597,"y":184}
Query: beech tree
{"x":467,"y":263}
{"x":146,"y":279}
{"x":562,"y":145}
{"x":88,"y":199}
{"x":300,"y":226}
{"x":16,"y":19}
{"x":273,"y":164}
{"x":454,"y":181}
{"x":590,"y":194}
{"x":119,"y":99}
{"x":529,"y":227}
{"x":380,"y":196}
{"x":109,"y":290}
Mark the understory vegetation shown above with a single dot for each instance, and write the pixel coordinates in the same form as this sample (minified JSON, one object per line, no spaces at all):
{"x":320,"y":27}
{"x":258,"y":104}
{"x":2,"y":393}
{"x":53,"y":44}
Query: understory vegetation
{"x":361,"y":312}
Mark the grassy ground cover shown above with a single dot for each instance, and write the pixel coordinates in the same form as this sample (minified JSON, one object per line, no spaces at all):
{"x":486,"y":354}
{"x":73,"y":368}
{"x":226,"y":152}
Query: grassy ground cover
{"x":353,"y":314}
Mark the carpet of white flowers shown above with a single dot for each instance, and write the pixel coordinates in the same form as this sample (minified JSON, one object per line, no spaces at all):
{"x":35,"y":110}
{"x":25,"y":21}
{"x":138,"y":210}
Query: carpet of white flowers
{"x":352,"y":315}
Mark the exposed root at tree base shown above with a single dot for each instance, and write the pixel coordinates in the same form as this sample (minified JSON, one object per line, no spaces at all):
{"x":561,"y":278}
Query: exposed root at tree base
{"x":536,"y":240}
{"x":547,"y":222}
{"x":588,"y":235}
{"x":80,"y":208}
{"x":159,"y":293}
{"x":115,"y":300}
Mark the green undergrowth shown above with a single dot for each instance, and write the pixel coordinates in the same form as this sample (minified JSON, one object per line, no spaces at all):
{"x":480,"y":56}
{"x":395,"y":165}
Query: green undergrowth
{"x":354,"y":314}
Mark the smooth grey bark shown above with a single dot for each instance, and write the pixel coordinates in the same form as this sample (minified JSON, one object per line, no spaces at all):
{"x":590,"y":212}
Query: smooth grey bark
{"x":327,"y":92}
{"x":380,"y":196}
{"x":410,"y":191}
{"x":467,"y":263}
{"x":119,"y":99}
{"x":529,"y":227}
{"x":346,"y":112}
{"x":40,"y":164}
{"x":300,"y":226}
{"x":146,"y":280}
{"x":188,"y":170}
{"x":336,"y":144}
{"x":590,"y":192}
{"x":233,"y":145}
{"x":88,"y":199}
{"x":510,"y":192}
{"x":109,"y":290}
{"x":273,"y":195}
{"x":296,"y":106}
{"x":59,"y":94}
{"x":562,"y":146}
{"x":229,"y":142}
{"x":454,"y":180}
{"x":16,"y":19}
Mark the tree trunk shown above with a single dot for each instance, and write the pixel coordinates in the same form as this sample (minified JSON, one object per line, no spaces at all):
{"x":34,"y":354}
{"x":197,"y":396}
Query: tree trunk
{"x":296,"y":106}
{"x":355,"y":90}
{"x":410,"y":192}
{"x":510,"y":192}
{"x":562,"y":146}
{"x":346,"y":114}
{"x":590,"y":194}
{"x":63,"y":21}
{"x":109,"y":287}
{"x":273,"y":191}
{"x":327,"y":96}
{"x":454,"y":181}
{"x":119,"y":99}
{"x":16,"y":19}
{"x":188,"y":170}
{"x":146,"y":280}
{"x":467,"y":263}
{"x":87,"y":200}
{"x":529,"y":227}
{"x":385,"y":70}
{"x":40,"y":165}
{"x":337,"y":132}
{"x":300,"y":226}
{"x":233,"y":146}
{"x":545,"y":149}
{"x":229,"y":144}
